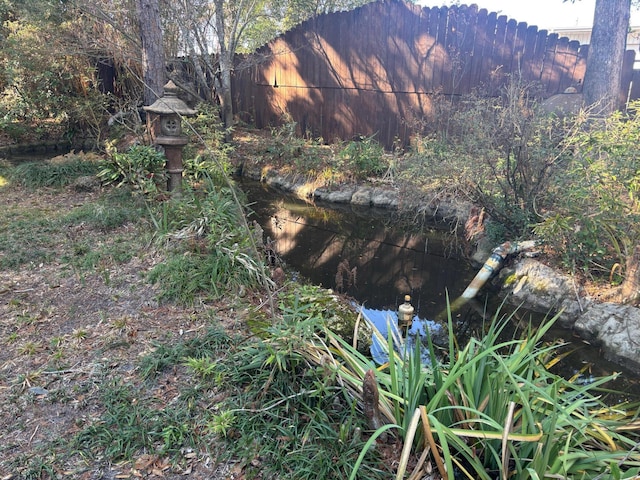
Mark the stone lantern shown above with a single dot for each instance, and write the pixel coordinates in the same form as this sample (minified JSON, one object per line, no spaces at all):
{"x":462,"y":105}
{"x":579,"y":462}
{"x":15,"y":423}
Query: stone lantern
{"x":170,"y":110}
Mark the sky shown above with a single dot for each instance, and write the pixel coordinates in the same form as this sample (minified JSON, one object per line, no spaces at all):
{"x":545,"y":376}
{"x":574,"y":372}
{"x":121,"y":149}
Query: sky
{"x":545,"y":14}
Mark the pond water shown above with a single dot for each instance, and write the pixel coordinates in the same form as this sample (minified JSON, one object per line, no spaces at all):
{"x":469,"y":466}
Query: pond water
{"x":376,"y":259}
{"x":363,"y":253}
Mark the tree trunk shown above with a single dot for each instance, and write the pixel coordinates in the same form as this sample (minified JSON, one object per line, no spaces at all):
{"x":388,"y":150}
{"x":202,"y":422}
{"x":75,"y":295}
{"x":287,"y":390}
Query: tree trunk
{"x":225,"y":94}
{"x":153,"y":64}
{"x":602,"y":81}
{"x":630,"y":288}
{"x":226,"y":65}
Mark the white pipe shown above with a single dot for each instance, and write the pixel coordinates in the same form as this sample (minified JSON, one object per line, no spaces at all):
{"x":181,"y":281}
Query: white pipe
{"x":493,"y":263}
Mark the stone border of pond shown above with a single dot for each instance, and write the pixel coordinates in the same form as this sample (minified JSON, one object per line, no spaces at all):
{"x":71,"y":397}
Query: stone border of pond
{"x":45,"y":148}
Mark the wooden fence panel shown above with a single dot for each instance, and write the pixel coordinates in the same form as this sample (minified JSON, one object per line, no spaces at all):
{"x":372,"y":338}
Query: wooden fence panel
{"x":518,"y":48}
{"x":377,"y":69}
{"x":479,"y":39}
{"x":468,"y":34}
{"x":487,"y":60}
{"x":508,"y":48}
{"x":430,"y":63}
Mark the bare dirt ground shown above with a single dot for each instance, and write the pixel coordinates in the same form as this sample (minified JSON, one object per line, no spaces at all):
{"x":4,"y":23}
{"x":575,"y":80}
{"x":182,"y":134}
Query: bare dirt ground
{"x":64,"y":332}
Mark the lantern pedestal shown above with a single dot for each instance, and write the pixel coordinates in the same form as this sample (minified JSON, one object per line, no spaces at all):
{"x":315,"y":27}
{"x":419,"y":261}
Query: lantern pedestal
{"x":173,"y":152}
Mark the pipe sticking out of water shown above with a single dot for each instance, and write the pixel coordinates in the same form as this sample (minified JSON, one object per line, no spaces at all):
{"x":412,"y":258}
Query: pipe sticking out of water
{"x":493,"y":263}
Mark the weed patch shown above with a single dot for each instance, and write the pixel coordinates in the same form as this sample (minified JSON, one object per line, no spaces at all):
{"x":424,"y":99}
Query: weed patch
{"x":132,"y":424}
{"x":56,"y":173}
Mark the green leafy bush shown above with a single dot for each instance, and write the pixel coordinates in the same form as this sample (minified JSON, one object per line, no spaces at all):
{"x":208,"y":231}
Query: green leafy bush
{"x":141,"y":167}
{"x":364,"y":158}
{"x":594,"y":223}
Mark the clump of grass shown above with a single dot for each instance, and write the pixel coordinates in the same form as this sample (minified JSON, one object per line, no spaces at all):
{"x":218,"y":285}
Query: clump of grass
{"x":56,"y":173}
{"x":214,"y":253}
{"x":132,"y":424}
{"x":40,"y":465}
{"x":28,"y":237}
{"x":299,"y":424}
{"x":112,"y":210}
{"x":165,"y":355}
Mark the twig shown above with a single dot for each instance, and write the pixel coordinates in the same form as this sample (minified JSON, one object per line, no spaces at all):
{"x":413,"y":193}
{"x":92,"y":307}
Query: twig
{"x":33,"y":434}
{"x":61,"y":372}
{"x":260,"y":410}
{"x":575,"y":289}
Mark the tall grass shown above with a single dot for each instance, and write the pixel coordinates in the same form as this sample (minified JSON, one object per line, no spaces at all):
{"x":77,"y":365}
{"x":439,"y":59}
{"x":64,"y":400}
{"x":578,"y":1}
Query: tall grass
{"x":211,"y":252}
{"x":492,"y":409}
{"x":291,"y":418}
{"x":57,"y":173}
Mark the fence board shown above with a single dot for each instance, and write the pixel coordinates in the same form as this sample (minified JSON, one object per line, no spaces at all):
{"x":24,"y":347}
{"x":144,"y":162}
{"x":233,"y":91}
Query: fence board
{"x":627,"y":75}
{"x":451,"y":49}
{"x":518,"y":48}
{"x":634,"y":92}
{"x":528,"y":55}
{"x":561,"y":65}
{"x":434,"y":22}
{"x":487,"y":51}
{"x":479,"y":39}
{"x":508,"y":50}
{"x":548,"y":62}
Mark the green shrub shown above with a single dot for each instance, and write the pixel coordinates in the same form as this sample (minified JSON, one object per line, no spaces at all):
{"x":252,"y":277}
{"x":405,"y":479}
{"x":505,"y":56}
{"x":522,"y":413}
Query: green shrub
{"x":287,"y":145}
{"x":503,"y":153}
{"x":207,"y":153}
{"x":141,"y":167}
{"x":364,"y":158}
{"x":595,"y":220}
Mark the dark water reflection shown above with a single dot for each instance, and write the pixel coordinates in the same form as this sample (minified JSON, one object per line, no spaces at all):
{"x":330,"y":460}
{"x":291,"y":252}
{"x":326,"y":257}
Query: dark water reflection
{"x":387,"y":261}
{"x":325,"y":243}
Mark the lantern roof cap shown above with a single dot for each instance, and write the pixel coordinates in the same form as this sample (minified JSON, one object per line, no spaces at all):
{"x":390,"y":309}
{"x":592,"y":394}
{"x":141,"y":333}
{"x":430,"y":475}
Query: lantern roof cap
{"x":170,"y":103}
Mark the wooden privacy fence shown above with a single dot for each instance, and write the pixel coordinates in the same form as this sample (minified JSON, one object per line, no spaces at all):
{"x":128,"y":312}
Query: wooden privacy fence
{"x":379,"y":69}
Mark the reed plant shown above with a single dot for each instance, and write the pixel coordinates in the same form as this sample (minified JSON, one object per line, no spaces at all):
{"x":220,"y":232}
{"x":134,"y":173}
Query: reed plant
{"x":492,"y":409}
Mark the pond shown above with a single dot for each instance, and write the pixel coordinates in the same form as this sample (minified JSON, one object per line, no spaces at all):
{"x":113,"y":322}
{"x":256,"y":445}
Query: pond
{"x":375,"y":258}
